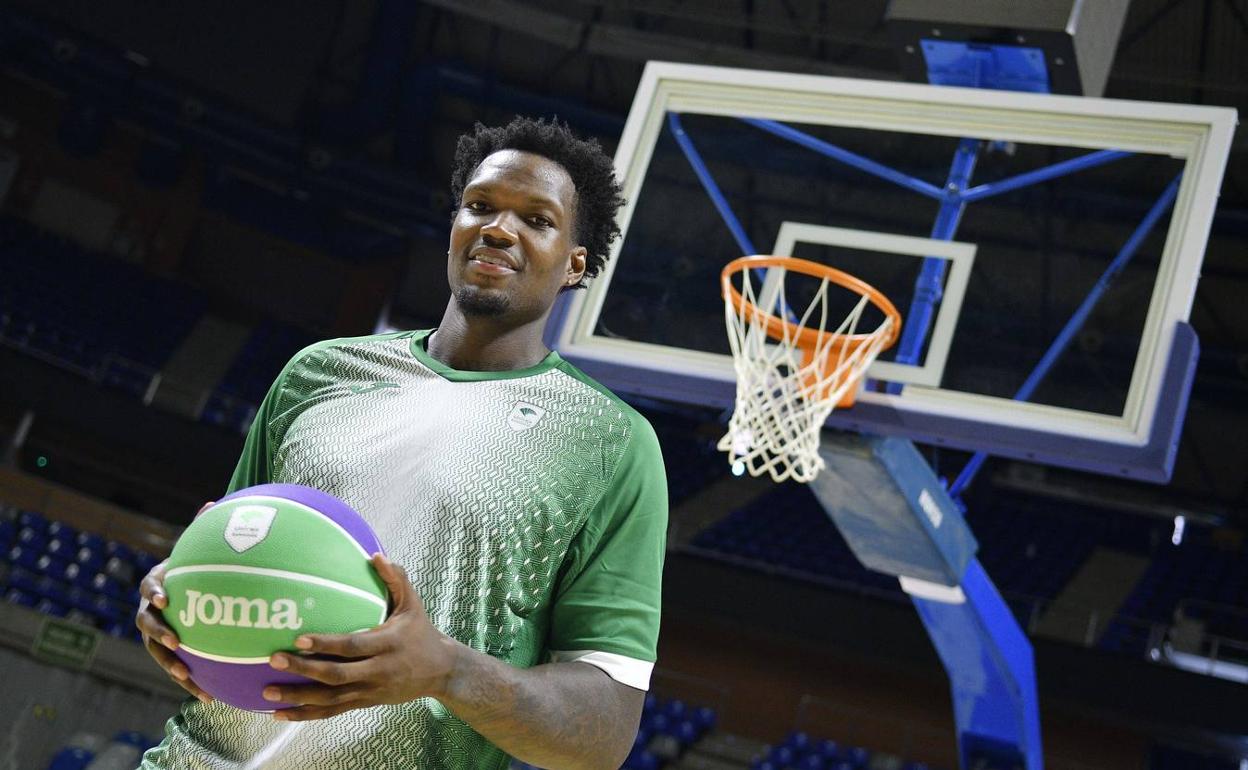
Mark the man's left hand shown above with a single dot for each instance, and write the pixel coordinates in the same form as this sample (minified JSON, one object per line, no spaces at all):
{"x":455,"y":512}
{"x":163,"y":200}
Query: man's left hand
{"x":402,"y":659}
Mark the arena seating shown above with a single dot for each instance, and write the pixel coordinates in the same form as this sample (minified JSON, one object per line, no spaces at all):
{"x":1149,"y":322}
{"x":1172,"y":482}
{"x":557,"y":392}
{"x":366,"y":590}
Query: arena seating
{"x":1029,"y":546}
{"x":84,"y":748}
{"x":1170,"y":758}
{"x":801,"y":751}
{"x":52,"y":568}
{"x":668,"y":730}
{"x":786,"y":530}
{"x":234,"y":402}
{"x":116,"y":324}
{"x":87,"y":312}
{"x":1203,"y":577}
{"x":689,"y":452}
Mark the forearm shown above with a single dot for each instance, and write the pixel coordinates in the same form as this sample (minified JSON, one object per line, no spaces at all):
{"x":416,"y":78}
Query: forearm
{"x":557,"y":716}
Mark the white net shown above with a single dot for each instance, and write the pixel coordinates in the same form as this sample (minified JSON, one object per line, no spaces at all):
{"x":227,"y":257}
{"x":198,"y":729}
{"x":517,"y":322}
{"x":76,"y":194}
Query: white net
{"x":785,"y":391}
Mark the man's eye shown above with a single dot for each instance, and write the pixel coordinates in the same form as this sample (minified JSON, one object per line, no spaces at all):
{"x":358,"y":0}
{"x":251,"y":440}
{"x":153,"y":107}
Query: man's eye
{"x":477,"y":206}
{"x":542,"y":222}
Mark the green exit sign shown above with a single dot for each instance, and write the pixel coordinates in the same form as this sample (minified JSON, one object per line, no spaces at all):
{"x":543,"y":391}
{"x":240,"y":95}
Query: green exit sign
{"x":64,"y":643}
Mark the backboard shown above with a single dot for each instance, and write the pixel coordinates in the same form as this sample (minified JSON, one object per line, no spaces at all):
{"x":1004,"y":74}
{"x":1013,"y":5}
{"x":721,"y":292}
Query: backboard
{"x":1061,"y":239}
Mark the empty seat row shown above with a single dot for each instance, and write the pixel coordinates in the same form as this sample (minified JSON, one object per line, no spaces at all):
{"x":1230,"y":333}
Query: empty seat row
{"x":801,"y":751}
{"x":58,"y":570}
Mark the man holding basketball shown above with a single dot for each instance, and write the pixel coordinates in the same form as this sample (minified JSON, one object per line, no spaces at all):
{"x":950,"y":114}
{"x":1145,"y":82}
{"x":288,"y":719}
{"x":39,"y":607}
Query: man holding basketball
{"x":523,"y":504}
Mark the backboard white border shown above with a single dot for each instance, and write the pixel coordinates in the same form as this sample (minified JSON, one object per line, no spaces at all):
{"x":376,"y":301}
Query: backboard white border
{"x":1199,"y":135}
{"x":961,"y":257}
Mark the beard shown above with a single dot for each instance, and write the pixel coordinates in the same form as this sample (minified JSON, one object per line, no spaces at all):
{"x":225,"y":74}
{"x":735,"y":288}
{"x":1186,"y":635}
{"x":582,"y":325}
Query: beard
{"x":472,"y":300}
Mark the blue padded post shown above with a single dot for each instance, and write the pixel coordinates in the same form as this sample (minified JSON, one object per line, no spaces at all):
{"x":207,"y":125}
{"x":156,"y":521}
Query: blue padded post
{"x":991,"y":671}
{"x":891,"y":509}
{"x":898,"y":518}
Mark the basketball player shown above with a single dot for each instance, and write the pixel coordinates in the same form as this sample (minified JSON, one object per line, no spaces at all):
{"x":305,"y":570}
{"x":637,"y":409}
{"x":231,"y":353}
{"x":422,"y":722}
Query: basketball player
{"x":524,"y":507}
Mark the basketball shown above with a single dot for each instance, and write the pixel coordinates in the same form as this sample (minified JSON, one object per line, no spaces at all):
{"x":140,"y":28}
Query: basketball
{"x":258,"y":569}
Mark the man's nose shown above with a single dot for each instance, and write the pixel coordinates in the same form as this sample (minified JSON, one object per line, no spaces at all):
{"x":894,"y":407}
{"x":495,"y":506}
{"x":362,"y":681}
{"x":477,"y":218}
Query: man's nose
{"x":499,"y":230}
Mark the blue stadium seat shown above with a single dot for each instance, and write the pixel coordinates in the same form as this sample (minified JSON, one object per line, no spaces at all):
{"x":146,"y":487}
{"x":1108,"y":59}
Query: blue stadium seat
{"x":34,"y":539}
{"x":828,"y":749}
{"x":52,"y":590}
{"x":24,"y":556}
{"x":705,"y":718}
{"x":674,"y":709}
{"x":811,"y":762}
{"x":686,"y":732}
{"x":23,"y":579}
{"x":61,"y":531}
{"x":90,"y":540}
{"x":60,"y":547}
{"x":89,"y":558}
{"x":49,"y":607}
{"x":144,"y":562}
{"x":657,"y":722}
{"x":20,"y":597}
{"x":857,"y":756}
{"x":50,"y":566}
{"x":78,"y":574}
{"x":782,"y":755}
{"x":120,"y":569}
{"x":106,"y":612}
{"x":32,"y":520}
{"x":81,"y":600}
{"x":108,"y":586}
{"x":120,"y":550}
{"x":641,"y":760}
{"x":798,"y":741}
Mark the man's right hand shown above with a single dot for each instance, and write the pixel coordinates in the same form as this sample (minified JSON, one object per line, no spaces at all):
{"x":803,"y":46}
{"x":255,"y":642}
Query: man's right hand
{"x":158,"y":637}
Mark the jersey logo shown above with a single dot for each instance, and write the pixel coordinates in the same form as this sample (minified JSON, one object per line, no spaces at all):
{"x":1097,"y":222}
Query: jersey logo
{"x":357,"y":389}
{"x":248,"y":526}
{"x":524,"y":415}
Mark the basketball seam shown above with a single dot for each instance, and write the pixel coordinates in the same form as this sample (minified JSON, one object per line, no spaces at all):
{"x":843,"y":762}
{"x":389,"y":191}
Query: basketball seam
{"x":281,"y":573}
{"x":222,"y":658}
{"x":308,"y":509}
{"x":262,"y":660}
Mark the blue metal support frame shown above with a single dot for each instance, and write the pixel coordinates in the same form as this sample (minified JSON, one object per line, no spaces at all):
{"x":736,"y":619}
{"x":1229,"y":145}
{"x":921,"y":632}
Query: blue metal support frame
{"x":1078,"y":319}
{"x":929,"y":286}
{"x":1081,"y":163}
{"x":849,"y":158}
{"x":953,"y":199}
{"x":708,"y":184}
{"x":717,"y":196}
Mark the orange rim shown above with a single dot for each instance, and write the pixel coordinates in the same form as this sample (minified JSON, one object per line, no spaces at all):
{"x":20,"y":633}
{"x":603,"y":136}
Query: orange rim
{"x":806,"y":338}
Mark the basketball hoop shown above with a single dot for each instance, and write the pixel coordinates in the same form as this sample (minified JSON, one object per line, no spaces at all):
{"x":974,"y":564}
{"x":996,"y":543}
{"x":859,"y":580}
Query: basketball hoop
{"x":791,"y":374}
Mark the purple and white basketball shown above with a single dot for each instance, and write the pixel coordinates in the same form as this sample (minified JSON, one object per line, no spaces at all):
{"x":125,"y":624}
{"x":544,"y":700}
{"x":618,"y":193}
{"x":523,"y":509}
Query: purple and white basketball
{"x":260,"y":568}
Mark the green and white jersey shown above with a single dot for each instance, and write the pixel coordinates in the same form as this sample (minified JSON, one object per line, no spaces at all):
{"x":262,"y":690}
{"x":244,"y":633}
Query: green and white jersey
{"x":529,"y":508}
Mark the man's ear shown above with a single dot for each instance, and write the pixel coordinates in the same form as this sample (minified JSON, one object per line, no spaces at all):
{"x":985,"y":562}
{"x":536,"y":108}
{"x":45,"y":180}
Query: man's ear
{"x":576,"y":266}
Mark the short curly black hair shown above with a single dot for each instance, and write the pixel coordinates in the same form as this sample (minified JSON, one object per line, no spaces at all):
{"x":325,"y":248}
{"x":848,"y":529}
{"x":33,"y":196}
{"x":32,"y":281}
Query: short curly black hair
{"x":598,"y":193}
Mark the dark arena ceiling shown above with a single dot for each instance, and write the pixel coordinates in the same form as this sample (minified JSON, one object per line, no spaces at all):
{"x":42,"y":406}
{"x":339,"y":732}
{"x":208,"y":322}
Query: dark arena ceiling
{"x":386,"y":86}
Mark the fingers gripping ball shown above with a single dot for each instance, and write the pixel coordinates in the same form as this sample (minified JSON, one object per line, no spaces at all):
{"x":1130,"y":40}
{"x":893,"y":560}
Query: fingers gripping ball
{"x":257,"y":570}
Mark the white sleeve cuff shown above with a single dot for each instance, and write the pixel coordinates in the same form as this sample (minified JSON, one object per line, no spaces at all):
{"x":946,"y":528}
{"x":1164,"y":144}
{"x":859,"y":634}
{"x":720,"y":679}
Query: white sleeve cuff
{"x":623,"y":669}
